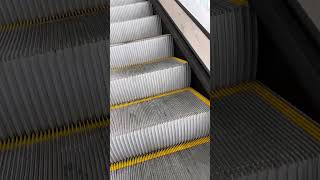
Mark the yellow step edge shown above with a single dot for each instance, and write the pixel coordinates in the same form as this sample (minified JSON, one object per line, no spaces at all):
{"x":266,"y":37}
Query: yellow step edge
{"x":149,"y":62}
{"x":307,"y":124}
{"x":287,"y":110}
{"x":158,"y":154}
{"x":51,"y":134}
{"x":239,"y":2}
{"x":194,"y":92}
{"x":51,"y":19}
{"x":230,"y":90}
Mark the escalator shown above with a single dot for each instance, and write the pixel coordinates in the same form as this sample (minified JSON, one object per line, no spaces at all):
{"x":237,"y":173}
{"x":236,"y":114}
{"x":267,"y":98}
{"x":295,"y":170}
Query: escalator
{"x":159,"y":123}
{"x":55,"y":121}
{"x":53,"y":93}
{"x":258,"y":130}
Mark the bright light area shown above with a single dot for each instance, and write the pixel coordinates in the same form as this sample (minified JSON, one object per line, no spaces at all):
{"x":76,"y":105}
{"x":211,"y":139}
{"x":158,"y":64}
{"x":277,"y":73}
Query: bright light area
{"x":200,"y":9}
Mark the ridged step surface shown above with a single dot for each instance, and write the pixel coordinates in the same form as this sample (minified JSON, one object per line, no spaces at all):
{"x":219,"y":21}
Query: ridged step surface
{"x":123,"y":2}
{"x":258,"y":135}
{"x":130,"y":12}
{"x":79,"y":156}
{"x":144,"y":126}
{"x":141,"y":51}
{"x":145,"y":80}
{"x":53,"y":75}
{"x":235,"y":43}
{"x":14,"y":11}
{"x":189,"y":164}
{"x":122,"y":32}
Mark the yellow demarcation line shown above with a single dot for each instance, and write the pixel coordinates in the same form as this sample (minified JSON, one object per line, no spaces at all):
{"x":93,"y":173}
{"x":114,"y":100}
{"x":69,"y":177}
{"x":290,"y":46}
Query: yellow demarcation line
{"x":52,"y":134}
{"x":194,"y":92}
{"x":287,"y":110}
{"x":180,"y":60}
{"x":57,"y":18}
{"x":307,"y":124}
{"x":200,"y":96}
{"x":230,"y":90}
{"x":158,"y":154}
{"x":149,"y":62}
{"x":239,"y":2}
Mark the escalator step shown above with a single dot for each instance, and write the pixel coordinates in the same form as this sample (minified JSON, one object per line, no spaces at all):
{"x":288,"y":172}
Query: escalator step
{"x":130,"y":12}
{"x":187,"y":164}
{"x":141,"y":51}
{"x":234,"y":53}
{"x":123,"y":2}
{"x":79,"y":156}
{"x":126,"y":31}
{"x":141,"y":81}
{"x":15,"y":11}
{"x":158,"y":122}
{"x":51,"y":79}
{"x":258,"y":135}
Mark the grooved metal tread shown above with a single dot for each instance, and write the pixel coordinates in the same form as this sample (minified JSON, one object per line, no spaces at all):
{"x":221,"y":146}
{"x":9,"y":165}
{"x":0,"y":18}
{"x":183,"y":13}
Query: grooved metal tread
{"x":14,"y":11}
{"x":123,"y":2}
{"x":234,"y":28}
{"x":189,"y":164}
{"x":121,"y":32}
{"x":145,"y":80}
{"x":53,"y":75}
{"x":258,"y":135}
{"x":130,"y":11}
{"x":141,"y":51}
{"x":78,"y":156}
{"x":147,"y":125}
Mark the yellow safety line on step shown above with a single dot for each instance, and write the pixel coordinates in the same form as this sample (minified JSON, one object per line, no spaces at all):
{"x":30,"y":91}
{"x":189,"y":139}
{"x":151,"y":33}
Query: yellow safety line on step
{"x":51,"y":19}
{"x":148,"y":62}
{"x":200,"y":96}
{"x":194,"y":92}
{"x":52,"y":134}
{"x":230,"y":90}
{"x":288,"y":111}
{"x":158,"y":154}
{"x":180,"y":60}
{"x":239,"y":2}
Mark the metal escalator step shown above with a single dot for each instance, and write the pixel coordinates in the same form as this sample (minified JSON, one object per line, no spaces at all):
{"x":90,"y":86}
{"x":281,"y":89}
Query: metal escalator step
{"x":141,"y":51}
{"x":130,"y":12}
{"x":126,"y":31}
{"x":124,"y":2}
{"x":235,"y":47}
{"x":158,"y":122}
{"x":80,"y":156}
{"x":52,"y":76}
{"x":188,"y":164}
{"x":141,"y":81}
{"x":258,"y":135}
{"x":14,"y":11}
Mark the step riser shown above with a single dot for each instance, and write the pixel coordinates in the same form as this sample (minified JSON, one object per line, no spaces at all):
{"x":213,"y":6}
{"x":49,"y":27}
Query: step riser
{"x":150,"y":84}
{"x":234,"y":52}
{"x":135,"y":29}
{"x":15,"y":11}
{"x":156,"y":123}
{"x":157,"y":137}
{"x":124,"y":2}
{"x":141,"y":51}
{"x":52,"y":90}
{"x":191,"y":164}
{"x":130,"y":12}
{"x":68,"y":158}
